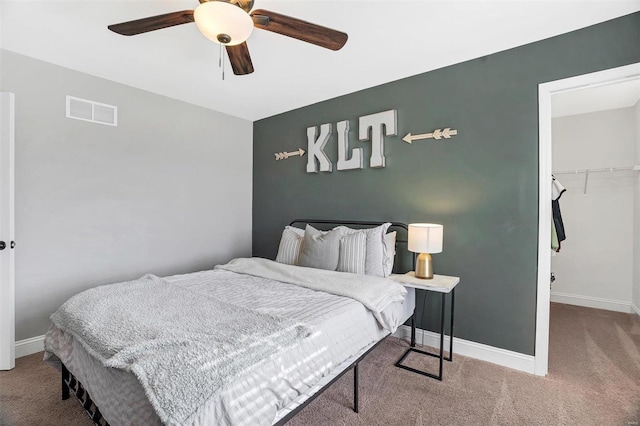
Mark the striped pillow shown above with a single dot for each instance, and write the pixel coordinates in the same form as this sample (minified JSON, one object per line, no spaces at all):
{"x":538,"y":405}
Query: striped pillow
{"x":290,"y":243}
{"x":353,"y":251}
{"x":376,"y":249}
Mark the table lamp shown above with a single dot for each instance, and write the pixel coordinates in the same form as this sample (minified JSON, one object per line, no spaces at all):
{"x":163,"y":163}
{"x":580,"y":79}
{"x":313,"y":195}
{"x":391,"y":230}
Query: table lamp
{"x":425,"y":238}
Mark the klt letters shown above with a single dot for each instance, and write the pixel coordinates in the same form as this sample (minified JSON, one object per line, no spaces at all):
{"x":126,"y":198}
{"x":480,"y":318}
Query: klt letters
{"x":381,"y":124}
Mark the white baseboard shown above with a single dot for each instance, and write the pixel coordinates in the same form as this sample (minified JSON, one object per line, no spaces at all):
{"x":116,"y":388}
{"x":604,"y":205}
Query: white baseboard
{"x":635,"y":309}
{"x":29,"y":346}
{"x":591,"y":302}
{"x":502,"y":357}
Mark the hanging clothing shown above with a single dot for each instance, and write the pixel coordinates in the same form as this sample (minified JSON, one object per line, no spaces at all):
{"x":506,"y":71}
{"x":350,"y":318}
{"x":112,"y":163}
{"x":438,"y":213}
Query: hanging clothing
{"x":557,"y":189}
{"x":555,"y":244}
{"x":557,"y":220}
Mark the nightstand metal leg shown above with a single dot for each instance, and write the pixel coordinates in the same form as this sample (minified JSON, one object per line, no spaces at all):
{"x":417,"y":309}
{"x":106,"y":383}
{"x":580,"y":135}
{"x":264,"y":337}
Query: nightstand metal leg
{"x":453,"y":302}
{"x":413,"y":329}
{"x":444,"y":285}
{"x":442,"y":306}
{"x":439,"y":355}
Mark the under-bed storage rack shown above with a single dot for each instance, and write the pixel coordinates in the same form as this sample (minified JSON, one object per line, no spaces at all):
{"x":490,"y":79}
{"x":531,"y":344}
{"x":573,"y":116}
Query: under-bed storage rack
{"x":71,"y":384}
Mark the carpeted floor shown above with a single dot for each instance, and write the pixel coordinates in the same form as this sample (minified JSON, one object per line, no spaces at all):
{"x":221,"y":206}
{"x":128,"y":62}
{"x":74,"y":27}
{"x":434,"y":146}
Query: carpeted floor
{"x":594,"y":379}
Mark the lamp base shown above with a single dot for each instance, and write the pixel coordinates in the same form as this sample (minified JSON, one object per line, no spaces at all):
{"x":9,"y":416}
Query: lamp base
{"x":424,"y":266}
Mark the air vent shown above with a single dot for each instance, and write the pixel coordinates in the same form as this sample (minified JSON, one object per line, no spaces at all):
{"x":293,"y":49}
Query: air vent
{"x":95,"y":112}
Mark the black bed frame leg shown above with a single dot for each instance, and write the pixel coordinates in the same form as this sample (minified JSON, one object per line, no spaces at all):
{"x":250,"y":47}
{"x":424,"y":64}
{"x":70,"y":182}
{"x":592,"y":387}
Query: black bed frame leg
{"x":355,"y":388}
{"x":65,"y":380}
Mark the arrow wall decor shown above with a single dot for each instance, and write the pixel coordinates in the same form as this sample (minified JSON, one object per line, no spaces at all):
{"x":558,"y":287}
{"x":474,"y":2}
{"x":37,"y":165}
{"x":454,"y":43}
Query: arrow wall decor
{"x":436,"y":134}
{"x":285,"y":155}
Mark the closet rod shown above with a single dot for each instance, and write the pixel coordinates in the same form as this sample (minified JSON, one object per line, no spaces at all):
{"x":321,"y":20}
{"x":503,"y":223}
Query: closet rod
{"x":603,"y":169}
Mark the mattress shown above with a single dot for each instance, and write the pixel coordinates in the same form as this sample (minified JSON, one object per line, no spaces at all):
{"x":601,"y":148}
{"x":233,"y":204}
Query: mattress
{"x":342,"y":329}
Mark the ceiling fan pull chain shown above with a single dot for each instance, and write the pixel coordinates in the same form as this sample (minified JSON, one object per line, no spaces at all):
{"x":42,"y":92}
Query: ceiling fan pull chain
{"x":221,"y":59}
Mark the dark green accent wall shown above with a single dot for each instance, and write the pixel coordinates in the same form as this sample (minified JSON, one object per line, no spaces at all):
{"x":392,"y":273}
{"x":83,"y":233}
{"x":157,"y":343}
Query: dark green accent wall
{"x":482,"y":185}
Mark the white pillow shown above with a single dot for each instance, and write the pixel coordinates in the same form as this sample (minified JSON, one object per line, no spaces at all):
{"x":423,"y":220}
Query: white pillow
{"x":290,"y":243}
{"x":352,"y":257}
{"x":376,"y":248}
{"x":353,"y":251}
{"x":390,"y":252}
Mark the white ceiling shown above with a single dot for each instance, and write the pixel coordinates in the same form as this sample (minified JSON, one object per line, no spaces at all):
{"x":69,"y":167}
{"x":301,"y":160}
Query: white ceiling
{"x":624,"y":94}
{"x":388,"y":40}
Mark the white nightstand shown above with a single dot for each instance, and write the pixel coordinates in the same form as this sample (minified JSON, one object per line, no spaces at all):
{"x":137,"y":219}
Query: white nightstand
{"x":444,"y":285}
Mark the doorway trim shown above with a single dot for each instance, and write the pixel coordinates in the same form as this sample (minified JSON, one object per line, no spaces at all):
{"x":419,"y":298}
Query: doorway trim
{"x":545,"y":92}
{"x":7,"y":259}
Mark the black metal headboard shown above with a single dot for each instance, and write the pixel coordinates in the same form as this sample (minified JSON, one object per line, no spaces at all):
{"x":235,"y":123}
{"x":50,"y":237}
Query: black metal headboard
{"x":404,"y":260}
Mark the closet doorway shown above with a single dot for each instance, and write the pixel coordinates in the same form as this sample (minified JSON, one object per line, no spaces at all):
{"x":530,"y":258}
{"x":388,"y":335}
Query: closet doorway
{"x":598,"y":165}
{"x":593,"y":158}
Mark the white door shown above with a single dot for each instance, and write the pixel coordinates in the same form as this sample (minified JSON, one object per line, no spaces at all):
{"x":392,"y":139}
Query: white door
{"x":7,"y":291}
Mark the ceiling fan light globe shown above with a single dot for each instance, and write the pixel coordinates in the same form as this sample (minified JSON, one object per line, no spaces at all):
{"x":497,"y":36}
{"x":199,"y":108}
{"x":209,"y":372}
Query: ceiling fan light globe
{"x":215,"y":18}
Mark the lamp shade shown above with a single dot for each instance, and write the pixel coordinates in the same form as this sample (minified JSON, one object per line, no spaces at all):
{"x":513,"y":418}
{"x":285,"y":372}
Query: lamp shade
{"x":425,"y":237}
{"x":223,"y":23}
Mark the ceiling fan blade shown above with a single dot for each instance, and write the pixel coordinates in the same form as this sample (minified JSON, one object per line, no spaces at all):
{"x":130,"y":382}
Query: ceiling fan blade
{"x":299,"y":29}
{"x":240,"y":59}
{"x":152,"y":23}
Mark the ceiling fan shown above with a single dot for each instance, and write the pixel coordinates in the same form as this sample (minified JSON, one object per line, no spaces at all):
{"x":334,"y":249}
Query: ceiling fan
{"x":229,"y":23}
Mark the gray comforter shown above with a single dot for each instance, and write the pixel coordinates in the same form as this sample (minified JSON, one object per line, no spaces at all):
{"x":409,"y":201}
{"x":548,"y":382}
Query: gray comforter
{"x":182,"y":346}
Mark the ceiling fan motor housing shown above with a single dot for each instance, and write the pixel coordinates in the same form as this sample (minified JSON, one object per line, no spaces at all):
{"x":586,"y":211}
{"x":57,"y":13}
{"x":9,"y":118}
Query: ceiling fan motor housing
{"x":246,"y":5}
{"x":223,"y":22}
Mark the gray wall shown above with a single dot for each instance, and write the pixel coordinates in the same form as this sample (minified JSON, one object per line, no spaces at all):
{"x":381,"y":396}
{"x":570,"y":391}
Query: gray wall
{"x":167,"y":191}
{"x":482,"y":184}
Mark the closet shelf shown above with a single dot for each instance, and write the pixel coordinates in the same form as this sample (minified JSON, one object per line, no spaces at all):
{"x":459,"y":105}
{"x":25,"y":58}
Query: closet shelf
{"x":587,"y":172}
{"x":598,"y":170}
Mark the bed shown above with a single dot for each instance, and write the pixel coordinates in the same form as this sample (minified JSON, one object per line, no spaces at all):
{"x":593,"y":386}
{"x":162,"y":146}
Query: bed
{"x":296,"y":339}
